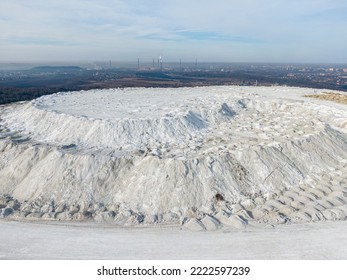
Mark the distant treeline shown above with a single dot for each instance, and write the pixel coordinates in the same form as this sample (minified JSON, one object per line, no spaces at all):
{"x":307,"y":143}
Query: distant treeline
{"x":8,"y":95}
{"x":59,"y":79}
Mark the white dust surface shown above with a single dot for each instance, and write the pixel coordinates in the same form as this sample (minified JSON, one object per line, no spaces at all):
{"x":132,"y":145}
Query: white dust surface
{"x":325,"y":240}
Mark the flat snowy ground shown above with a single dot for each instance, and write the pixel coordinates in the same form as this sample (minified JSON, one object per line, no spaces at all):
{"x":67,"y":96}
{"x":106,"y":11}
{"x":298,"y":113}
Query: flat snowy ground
{"x":323,"y":240}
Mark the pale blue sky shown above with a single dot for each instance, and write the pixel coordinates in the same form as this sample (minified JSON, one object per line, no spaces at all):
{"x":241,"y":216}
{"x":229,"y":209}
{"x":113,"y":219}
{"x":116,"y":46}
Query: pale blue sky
{"x":209,"y":30}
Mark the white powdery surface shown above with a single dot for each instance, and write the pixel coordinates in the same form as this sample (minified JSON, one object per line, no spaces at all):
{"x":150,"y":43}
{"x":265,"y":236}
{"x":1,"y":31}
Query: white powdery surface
{"x":322,"y":241}
{"x":206,"y":157}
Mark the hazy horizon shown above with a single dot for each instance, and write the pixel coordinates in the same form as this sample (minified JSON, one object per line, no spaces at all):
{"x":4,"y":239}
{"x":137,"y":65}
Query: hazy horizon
{"x":20,"y":66}
{"x":308,"y":31}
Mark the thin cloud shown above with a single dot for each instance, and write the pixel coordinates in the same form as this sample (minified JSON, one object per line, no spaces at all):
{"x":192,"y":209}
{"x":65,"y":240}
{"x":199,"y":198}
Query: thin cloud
{"x":39,"y":41}
{"x":195,"y":35}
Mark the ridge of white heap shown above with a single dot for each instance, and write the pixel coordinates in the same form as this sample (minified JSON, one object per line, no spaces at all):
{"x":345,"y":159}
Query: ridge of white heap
{"x":205,"y":157}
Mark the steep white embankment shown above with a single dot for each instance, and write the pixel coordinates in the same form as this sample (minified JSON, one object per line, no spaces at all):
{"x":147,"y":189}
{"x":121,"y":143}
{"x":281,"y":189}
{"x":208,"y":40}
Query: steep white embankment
{"x":205,"y":157}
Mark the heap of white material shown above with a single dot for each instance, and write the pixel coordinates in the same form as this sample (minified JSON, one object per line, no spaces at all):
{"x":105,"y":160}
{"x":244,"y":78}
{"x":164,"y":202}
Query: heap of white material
{"x":206,"y":157}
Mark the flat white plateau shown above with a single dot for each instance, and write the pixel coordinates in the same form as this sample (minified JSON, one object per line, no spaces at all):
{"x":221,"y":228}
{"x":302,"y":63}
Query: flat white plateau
{"x":323,"y":240}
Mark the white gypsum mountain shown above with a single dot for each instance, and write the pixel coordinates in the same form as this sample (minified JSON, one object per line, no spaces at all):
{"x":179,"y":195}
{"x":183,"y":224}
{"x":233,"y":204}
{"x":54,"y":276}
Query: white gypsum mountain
{"x":206,"y":157}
